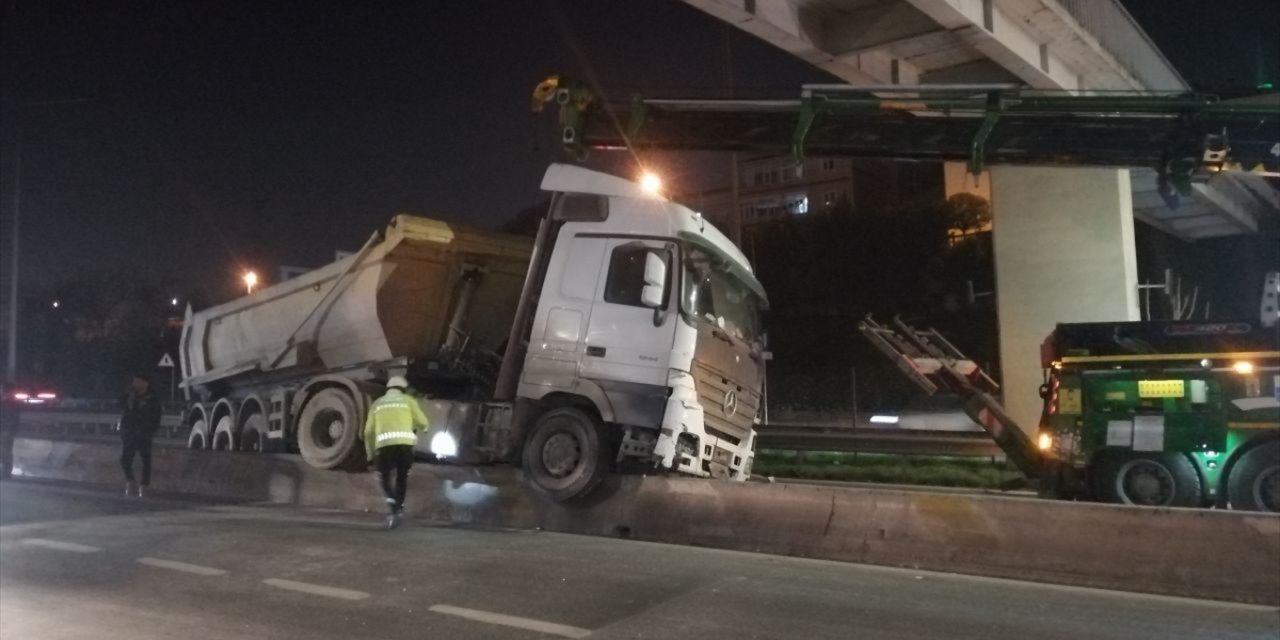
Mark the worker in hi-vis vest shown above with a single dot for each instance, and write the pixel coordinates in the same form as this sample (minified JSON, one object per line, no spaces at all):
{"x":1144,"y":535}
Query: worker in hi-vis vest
{"x":390,"y":433}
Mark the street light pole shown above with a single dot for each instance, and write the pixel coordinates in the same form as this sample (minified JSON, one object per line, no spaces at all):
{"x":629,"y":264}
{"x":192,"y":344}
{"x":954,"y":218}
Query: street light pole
{"x":11,"y":366}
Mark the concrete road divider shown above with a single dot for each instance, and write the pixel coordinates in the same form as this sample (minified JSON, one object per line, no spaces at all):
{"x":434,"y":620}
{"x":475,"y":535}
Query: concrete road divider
{"x":1195,"y":553}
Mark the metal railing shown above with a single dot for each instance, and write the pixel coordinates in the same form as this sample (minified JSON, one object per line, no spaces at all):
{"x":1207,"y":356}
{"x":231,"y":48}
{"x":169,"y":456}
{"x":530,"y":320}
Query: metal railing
{"x":1118,"y":33}
{"x":895,"y":441}
{"x":64,"y":423}
{"x":78,"y":424}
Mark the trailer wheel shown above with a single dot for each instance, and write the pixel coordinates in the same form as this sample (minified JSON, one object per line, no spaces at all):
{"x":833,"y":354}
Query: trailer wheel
{"x":224,"y":435}
{"x":1166,"y":480}
{"x":1254,"y":484}
{"x":564,"y":455}
{"x":253,"y":436}
{"x":328,"y":429}
{"x":198,"y":438}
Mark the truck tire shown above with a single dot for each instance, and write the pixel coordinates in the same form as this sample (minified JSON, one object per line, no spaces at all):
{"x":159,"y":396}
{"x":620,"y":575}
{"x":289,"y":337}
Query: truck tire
{"x":564,"y":456}
{"x":224,"y":435}
{"x":1254,"y":484}
{"x":1149,"y":480}
{"x":198,"y":438}
{"x":253,"y":435}
{"x":329,"y":429}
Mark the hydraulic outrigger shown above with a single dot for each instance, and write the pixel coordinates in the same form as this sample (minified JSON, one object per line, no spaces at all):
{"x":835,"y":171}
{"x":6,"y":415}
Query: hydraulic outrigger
{"x":935,"y":365}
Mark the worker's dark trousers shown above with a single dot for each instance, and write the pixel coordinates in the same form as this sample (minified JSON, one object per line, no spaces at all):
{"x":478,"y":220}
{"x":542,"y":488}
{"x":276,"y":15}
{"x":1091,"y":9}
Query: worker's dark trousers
{"x":139,"y":444}
{"x":393,"y":466}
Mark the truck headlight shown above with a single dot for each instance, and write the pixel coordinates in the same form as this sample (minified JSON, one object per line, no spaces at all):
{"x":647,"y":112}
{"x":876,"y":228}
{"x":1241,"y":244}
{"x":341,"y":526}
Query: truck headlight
{"x":444,"y":445}
{"x":1045,"y":443}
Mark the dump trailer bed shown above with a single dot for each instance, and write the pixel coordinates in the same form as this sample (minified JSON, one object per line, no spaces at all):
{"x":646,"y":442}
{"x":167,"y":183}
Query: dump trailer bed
{"x":417,"y":289}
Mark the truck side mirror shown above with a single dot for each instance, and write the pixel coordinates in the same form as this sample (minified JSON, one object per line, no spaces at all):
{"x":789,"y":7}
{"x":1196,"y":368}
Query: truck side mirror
{"x":655,"y":281}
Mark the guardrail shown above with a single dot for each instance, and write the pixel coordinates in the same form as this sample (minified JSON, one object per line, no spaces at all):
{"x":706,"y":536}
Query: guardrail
{"x":858,"y":440}
{"x":61,"y":422}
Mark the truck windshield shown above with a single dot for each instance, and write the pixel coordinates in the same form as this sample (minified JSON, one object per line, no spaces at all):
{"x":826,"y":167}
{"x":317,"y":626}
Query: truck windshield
{"x":711,"y":293}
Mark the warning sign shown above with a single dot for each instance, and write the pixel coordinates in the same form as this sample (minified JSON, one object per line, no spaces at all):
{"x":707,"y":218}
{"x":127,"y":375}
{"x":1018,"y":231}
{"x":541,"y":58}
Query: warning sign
{"x":166,"y":362}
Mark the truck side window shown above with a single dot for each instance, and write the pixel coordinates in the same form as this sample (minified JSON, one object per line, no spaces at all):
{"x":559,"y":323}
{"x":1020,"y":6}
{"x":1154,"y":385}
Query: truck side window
{"x":626,"y":275}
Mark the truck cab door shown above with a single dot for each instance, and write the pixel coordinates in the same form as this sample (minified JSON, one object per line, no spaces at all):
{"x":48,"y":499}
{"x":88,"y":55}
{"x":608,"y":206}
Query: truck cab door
{"x":633,"y":319}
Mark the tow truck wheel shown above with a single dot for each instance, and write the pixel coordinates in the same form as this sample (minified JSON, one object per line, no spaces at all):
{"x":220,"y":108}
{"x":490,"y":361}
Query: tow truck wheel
{"x":198,"y":438}
{"x":1166,"y":480}
{"x":564,"y":456}
{"x":1254,"y":484}
{"x":328,"y":430}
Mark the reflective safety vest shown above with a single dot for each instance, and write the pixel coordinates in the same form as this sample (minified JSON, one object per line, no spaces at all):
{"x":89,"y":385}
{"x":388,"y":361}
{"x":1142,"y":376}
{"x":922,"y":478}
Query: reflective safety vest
{"x":394,"y":419}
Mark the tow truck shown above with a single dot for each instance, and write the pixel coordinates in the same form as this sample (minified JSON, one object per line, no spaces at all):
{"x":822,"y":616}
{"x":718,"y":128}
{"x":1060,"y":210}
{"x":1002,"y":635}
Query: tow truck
{"x":1180,"y":414}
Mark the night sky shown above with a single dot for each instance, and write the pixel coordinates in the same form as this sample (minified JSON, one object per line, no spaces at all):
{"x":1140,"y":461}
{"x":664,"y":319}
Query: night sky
{"x":187,"y":140}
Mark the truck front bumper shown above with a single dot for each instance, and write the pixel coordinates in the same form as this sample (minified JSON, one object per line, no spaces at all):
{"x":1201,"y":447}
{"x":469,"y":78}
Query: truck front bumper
{"x":685,"y":446}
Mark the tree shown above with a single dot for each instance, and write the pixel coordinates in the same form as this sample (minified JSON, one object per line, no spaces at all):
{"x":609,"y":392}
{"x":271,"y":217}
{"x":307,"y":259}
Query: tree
{"x":966,"y":212}
{"x":105,"y":327}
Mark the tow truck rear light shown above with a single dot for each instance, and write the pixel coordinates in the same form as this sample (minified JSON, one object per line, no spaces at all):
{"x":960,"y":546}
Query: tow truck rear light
{"x":47,"y":395}
{"x":22,"y":396}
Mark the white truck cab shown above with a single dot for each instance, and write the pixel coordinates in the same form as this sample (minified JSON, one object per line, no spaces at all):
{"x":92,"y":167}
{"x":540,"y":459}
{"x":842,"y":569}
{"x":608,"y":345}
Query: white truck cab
{"x":650,"y":312}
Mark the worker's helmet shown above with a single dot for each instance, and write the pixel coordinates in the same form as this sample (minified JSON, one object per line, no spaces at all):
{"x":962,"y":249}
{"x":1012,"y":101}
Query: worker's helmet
{"x":397,"y":382}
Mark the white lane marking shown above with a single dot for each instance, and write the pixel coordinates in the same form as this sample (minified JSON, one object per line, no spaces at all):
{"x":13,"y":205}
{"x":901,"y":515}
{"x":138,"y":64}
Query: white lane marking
{"x":316,"y":589}
{"x":181,"y":566}
{"x":528,"y":624}
{"x":60,"y":546}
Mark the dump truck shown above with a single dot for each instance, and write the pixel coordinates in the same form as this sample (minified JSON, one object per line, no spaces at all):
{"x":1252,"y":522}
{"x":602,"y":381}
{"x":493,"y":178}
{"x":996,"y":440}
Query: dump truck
{"x":1183,"y":413}
{"x":625,"y":335}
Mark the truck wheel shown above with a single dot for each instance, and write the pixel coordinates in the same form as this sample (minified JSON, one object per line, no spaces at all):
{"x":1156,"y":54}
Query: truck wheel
{"x":1166,"y":480}
{"x":1254,"y":484}
{"x":198,"y":438}
{"x":563,"y":456}
{"x":328,"y":429}
{"x":224,"y":435}
{"x":253,"y":436}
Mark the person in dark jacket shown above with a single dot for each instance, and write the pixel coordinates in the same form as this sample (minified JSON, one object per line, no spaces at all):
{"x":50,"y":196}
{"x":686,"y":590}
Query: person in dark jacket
{"x":139,"y":421}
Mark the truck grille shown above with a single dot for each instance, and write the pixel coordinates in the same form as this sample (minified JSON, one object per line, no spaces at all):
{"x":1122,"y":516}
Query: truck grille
{"x":713,"y":388}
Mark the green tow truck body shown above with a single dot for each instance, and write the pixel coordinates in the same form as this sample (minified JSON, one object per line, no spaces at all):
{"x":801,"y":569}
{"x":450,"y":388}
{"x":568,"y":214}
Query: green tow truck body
{"x":1164,"y":413}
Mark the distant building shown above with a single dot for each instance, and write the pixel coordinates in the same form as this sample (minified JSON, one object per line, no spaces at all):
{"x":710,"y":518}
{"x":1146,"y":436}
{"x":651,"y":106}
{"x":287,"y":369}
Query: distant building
{"x":773,"y":187}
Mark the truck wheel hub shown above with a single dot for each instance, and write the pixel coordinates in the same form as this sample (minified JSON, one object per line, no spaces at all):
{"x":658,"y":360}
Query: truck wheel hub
{"x":1266,"y":489}
{"x":335,"y":430}
{"x":1147,"y":483}
{"x":561,"y":454}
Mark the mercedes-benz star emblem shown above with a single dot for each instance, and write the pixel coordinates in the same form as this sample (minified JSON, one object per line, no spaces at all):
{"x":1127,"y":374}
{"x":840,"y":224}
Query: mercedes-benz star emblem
{"x":730,"y":403}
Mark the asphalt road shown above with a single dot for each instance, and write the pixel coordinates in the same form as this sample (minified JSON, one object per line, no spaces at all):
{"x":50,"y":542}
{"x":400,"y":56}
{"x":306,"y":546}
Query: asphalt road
{"x":82,"y":564}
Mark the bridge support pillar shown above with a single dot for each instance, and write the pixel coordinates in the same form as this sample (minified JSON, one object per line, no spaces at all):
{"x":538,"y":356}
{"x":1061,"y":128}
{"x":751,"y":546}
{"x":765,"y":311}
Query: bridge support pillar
{"x":1064,"y":252}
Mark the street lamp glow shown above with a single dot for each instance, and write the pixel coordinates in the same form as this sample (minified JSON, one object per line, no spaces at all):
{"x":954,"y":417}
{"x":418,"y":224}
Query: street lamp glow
{"x":56,"y":304}
{"x":250,"y":280}
{"x":173,"y":302}
{"x":651,"y":183}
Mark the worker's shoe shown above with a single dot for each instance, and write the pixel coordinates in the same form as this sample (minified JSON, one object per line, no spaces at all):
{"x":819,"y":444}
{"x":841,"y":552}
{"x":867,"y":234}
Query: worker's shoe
{"x":130,"y":489}
{"x":393,"y":521}
{"x":142,"y":489}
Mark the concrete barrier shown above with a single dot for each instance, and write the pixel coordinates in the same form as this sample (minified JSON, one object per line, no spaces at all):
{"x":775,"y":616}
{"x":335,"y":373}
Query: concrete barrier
{"x":1195,"y":553}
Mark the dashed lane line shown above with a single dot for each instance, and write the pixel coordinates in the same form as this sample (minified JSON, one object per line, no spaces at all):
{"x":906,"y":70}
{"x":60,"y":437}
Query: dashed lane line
{"x":529,"y":624}
{"x":316,"y":589}
{"x":60,"y":546}
{"x":181,"y":566}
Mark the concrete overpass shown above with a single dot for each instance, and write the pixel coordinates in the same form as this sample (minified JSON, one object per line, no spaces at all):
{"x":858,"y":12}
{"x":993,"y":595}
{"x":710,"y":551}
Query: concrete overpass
{"x":1063,"y":237}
